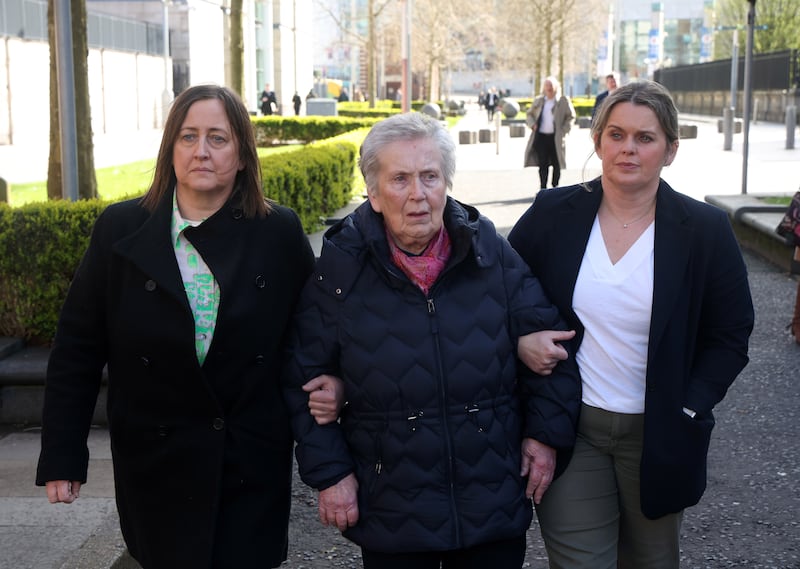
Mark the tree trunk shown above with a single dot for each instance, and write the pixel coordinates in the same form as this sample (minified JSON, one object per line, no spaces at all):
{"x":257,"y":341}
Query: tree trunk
{"x":237,"y":48}
{"x":87,"y":181}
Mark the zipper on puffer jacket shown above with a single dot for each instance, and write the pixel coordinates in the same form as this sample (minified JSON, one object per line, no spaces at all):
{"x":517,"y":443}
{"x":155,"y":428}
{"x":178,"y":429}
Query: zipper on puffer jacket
{"x":434,"y":326}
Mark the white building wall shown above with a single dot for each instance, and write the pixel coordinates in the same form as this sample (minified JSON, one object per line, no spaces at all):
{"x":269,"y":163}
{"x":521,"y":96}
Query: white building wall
{"x":26,"y":100}
{"x":206,"y":43}
{"x":125,"y":91}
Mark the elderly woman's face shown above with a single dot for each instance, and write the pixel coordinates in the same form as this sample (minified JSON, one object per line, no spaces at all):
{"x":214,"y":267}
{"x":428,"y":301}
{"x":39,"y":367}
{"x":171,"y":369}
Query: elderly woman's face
{"x":411,"y":192}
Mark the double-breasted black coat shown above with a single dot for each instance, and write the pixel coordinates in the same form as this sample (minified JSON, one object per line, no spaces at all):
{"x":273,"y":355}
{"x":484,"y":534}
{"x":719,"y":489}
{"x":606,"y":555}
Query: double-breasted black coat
{"x":201,"y":454}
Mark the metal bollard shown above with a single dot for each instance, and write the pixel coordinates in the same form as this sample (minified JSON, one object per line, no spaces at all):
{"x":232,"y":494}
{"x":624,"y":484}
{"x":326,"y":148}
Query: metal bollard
{"x":727,"y":128}
{"x":791,"y":124}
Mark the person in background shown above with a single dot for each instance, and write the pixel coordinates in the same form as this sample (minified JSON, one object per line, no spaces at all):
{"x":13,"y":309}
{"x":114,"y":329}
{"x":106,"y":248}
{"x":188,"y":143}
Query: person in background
{"x":269,"y":103}
{"x":490,"y":101}
{"x":296,"y":102}
{"x":185,"y":295}
{"x":655,"y":285}
{"x":550,"y":118}
{"x":422,"y":308}
{"x":612,"y":82}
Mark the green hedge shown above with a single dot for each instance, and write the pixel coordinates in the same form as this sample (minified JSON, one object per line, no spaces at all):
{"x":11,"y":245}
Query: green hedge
{"x":276,"y":130}
{"x":40,"y":247}
{"x":41,"y":244}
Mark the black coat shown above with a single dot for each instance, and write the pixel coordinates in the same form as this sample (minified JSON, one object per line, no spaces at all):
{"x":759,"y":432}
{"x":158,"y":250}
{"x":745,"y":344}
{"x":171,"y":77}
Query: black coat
{"x":202,"y":455}
{"x":435,"y":418}
{"x":701,"y":321}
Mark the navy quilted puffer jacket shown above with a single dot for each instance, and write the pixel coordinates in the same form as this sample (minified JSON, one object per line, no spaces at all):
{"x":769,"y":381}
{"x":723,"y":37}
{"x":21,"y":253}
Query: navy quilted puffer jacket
{"x":435,"y":414}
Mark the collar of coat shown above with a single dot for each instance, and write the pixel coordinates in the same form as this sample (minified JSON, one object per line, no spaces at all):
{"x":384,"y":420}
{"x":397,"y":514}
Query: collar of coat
{"x":360,"y":238}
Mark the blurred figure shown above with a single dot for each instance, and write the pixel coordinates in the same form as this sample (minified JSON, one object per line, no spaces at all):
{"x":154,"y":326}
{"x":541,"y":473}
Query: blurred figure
{"x":490,"y":102}
{"x":296,"y":102}
{"x":550,"y":118}
{"x":612,"y":82}
{"x":269,"y":104}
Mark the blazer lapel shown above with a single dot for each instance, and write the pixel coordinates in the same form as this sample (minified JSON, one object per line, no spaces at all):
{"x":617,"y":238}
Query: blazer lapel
{"x":672,"y":249}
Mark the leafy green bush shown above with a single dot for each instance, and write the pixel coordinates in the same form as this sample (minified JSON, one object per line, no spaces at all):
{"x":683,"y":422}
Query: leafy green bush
{"x":40,"y":247}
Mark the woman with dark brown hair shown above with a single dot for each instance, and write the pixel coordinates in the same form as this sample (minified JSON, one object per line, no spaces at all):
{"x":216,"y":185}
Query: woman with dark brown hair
{"x":185,"y":295}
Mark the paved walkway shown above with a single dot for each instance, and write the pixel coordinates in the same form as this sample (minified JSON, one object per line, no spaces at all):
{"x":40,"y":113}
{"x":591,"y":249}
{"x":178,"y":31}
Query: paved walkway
{"x":748,"y":517}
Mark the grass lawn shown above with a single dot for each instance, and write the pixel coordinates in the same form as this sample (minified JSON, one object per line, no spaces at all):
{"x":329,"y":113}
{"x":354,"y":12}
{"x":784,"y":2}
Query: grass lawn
{"x":113,"y":183}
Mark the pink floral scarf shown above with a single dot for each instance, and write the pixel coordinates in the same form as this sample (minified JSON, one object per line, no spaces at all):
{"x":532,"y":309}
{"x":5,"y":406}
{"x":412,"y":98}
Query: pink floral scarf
{"x":425,"y":268}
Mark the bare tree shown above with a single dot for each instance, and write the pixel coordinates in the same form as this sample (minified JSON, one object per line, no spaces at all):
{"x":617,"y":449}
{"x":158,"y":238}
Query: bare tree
{"x":441,"y":36}
{"x":549,"y":37}
{"x":369,"y":43}
{"x":87,"y":181}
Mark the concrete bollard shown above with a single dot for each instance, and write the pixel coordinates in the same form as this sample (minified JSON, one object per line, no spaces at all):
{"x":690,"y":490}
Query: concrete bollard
{"x":487,"y":135}
{"x":727,"y":128}
{"x":791,"y":125}
{"x":3,"y":190}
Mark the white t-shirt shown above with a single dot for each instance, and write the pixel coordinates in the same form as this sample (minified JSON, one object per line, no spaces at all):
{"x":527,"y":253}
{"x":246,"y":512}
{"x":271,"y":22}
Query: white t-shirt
{"x":547,"y":123}
{"x":614,"y":302}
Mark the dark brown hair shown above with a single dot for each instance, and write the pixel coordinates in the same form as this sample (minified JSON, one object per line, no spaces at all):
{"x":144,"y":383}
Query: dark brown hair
{"x":248,"y":180}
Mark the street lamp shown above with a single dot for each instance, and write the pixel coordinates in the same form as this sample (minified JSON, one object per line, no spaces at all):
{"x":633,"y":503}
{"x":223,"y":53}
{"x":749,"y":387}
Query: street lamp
{"x":748,"y":90}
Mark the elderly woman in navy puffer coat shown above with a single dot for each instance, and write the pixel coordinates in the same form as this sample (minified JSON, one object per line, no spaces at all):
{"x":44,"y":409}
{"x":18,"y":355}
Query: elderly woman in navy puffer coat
{"x":422,"y":310}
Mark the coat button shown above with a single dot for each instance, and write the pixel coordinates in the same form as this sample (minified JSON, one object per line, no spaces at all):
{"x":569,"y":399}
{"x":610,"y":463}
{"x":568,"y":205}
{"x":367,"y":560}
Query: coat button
{"x":150,"y":285}
{"x":320,"y":277}
{"x":261,"y":282}
{"x":259,"y":360}
{"x":338,"y":291}
{"x":218,"y":424}
{"x":237,"y":214}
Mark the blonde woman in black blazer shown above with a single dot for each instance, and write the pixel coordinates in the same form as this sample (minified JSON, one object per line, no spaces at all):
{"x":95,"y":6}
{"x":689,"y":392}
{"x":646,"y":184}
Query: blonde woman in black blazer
{"x":655,"y":286}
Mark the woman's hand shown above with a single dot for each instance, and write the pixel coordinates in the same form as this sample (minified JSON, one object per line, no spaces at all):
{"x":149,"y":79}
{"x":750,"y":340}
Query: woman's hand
{"x":325,"y":398}
{"x":539,"y":465}
{"x":64,"y":491}
{"x":541,"y":351}
{"x":338,"y":504}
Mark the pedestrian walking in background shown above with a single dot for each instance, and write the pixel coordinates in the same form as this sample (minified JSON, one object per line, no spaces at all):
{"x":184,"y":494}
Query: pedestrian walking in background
{"x":612,"y":82}
{"x":269,"y":103}
{"x":655,"y":284}
{"x":423,"y":309}
{"x":296,"y":102}
{"x":550,"y":118}
{"x":185,"y":295}
{"x":490,"y":101}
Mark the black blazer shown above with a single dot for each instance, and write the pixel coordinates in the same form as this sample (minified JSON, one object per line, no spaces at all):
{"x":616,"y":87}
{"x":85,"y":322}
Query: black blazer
{"x":701,"y":321}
